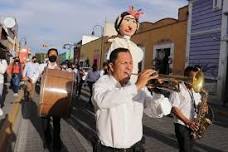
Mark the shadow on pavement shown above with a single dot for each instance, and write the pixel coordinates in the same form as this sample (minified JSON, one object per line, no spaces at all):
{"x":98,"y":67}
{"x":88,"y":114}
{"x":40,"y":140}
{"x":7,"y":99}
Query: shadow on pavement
{"x":8,"y":137}
{"x":205,"y":148}
{"x":30,"y":111}
{"x":147,"y":131}
{"x":198,"y":147}
{"x":220,"y":115}
{"x":5,"y":92}
{"x":83,"y":120}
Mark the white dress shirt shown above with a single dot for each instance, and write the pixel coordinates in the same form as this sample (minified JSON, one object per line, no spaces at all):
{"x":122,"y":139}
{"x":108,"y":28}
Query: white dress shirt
{"x":3,"y":68}
{"x":183,"y":101}
{"x":52,"y":65}
{"x":119,"y":111}
{"x":42,"y":67}
{"x":136,"y":52}
{"x":92,"y":76}
{"x":32,"y":71}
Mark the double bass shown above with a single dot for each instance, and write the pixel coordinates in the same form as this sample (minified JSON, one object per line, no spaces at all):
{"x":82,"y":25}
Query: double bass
{"x":56,"y":93}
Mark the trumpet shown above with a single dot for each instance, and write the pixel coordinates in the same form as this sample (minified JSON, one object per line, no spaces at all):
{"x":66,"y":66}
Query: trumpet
{"x":171,"y":82}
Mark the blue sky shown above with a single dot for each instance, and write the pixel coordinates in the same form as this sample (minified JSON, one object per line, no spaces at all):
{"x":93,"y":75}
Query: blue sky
{"x":55,"y":22}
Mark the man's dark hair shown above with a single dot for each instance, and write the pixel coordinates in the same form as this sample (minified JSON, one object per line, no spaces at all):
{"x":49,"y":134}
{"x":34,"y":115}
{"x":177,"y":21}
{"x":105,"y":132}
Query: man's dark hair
{"x":189,"y":69}
{"x":105,"y":64}
{"x":198,"y":67}
{"x":114,"y":54}
{"x":94,"y":67}
{"x":34,"y":57}
{"x":52,"y":49}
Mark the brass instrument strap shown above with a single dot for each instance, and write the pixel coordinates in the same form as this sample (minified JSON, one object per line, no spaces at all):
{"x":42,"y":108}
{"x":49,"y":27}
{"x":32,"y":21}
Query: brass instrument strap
{"x":193,"y":100}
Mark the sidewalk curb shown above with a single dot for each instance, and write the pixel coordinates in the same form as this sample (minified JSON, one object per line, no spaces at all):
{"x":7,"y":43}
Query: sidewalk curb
{"x":7,"y":131}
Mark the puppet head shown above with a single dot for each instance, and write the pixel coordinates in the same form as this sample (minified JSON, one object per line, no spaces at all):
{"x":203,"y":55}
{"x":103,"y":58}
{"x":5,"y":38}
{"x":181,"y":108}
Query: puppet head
{"x":128,"y":22}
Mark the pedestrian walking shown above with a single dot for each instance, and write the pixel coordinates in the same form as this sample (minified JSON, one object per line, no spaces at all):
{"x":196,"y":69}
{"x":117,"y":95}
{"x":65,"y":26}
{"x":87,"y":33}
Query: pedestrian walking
{"x":81,"y":76}
{"x":92,"y":76}
{"x":31,"y":74}
{"x":55,"y":140}
{"x":15,"y":73}
{"x":104,"y":70}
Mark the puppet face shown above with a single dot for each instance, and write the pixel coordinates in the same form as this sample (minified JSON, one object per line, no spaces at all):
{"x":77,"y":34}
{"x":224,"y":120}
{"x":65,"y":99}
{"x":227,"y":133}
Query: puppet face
{"x":128,"y":26}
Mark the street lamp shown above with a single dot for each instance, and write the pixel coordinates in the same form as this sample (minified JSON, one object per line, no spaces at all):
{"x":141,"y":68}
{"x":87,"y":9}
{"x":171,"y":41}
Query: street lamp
{"x":68,"y":46}
{"x":102,"y":34}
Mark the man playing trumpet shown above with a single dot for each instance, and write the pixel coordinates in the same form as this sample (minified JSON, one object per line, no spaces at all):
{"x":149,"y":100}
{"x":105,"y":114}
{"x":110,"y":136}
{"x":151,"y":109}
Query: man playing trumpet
{"x":119,"y":105}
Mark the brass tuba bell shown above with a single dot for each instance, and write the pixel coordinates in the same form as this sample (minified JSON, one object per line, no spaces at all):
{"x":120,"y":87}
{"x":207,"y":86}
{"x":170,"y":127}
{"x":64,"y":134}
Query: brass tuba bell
{"x":198,"y":81}
{"x":171,"y":82}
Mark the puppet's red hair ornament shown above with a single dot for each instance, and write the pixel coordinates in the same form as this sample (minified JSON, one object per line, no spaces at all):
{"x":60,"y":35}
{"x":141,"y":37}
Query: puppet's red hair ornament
{"x":135,"y":13}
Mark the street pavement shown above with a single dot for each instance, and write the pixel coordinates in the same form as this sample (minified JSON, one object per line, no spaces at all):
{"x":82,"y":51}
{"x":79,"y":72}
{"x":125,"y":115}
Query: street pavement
{"x":78,"y":133}
{"x":8,"y":101}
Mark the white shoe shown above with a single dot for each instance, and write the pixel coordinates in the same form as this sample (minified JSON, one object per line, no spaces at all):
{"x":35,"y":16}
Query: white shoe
{"x":1,"y":112}
{"x":15,"y":94}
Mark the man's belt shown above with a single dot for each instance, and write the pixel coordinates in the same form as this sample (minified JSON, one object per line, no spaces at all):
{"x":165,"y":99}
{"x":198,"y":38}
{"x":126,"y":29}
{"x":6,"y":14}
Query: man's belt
{"x":137,"y":147}
{"x":111,"y":149}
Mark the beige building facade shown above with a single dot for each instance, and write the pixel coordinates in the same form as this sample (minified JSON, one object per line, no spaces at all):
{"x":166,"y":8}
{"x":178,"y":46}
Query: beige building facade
{"x":9,"y":43}
{"x":163,"y":43}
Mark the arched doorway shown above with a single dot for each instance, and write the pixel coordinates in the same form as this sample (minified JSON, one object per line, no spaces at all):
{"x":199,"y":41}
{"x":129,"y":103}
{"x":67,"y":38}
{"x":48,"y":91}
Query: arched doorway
{"x":163,"y":54}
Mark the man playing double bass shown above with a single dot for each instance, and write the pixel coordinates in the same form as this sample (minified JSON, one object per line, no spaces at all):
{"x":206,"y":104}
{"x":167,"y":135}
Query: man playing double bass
{"x":52,"y":55}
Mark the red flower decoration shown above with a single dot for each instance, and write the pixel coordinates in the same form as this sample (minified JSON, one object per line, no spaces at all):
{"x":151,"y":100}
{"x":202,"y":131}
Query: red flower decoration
{"x":135,"y":13}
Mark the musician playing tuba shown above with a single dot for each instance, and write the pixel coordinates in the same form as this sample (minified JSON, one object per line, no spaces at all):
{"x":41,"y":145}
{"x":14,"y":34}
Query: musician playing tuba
{"x":184,"y":107}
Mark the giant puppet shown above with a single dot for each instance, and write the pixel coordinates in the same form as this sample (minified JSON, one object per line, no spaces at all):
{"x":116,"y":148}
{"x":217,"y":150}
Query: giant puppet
{"x":126,"y":25}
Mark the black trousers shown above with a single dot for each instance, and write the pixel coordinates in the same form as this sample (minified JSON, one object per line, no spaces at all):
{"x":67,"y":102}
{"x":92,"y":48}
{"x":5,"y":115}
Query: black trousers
{"x":138,"y":147}
{"x":79,"y":87}
{"x":90,"y":84}
{"x":184,"y":138}
{"x":47,"y":131}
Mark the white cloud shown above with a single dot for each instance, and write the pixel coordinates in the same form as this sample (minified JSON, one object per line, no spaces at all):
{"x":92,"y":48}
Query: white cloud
{"x":57,"y":22}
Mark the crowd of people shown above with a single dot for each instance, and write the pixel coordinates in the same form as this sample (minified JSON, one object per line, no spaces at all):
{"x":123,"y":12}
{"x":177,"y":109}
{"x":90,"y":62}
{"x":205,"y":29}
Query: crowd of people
{"x":31,"y":71}
{"x":118,"y":93}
